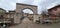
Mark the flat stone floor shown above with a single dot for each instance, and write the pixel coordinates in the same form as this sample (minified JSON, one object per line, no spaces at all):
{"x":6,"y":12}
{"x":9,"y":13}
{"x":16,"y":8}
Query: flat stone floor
{"x":26,"y":23}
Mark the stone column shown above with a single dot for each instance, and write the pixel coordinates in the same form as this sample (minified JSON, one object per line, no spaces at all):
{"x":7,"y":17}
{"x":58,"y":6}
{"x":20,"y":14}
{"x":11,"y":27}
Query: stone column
{"x":17,"y":17}
{"x":35,"y":17}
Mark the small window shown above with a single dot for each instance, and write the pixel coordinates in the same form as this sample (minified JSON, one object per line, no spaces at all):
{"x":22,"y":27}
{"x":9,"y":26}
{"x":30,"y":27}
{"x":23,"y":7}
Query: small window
{"x":17,"y":14}
{"x":55,"y":9}
{"x":1,"y":16}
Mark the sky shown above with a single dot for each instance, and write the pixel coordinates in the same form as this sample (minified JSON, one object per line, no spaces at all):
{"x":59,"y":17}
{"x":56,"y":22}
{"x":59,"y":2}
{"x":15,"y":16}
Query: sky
{"x":42,"y":4}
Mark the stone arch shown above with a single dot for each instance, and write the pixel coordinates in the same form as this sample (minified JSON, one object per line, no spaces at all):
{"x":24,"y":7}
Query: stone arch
{"x":20,"y":7}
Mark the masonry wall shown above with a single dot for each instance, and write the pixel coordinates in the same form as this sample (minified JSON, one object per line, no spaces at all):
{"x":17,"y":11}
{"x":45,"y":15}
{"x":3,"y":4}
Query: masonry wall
{"x":54,"y":12}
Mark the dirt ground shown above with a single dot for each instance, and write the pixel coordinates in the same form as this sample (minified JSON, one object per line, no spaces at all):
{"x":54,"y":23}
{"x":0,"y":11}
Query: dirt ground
{"x":26,"y":23}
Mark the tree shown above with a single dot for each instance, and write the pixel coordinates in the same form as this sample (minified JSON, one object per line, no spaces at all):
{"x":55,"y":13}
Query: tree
{"x":43,"y":13}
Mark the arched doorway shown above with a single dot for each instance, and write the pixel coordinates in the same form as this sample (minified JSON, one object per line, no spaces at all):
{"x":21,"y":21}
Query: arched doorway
{"x":25,"y":13}
{"x":20,"y":7}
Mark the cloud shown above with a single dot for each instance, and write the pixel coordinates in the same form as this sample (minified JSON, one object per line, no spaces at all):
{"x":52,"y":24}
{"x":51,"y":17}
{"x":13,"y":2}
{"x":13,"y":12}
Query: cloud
{"x":53,"y":4}
{"x":8,"y":4}
{"x":46,"y":4}
{"x":25,"y":1}
{"x":42,"y":4}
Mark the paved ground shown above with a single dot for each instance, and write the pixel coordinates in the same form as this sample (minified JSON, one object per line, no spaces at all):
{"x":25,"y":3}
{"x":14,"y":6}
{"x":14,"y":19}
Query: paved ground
{"x":28,"y":24}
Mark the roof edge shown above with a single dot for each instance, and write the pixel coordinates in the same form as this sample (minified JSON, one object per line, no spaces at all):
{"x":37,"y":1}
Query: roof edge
{"x":25,"y":4}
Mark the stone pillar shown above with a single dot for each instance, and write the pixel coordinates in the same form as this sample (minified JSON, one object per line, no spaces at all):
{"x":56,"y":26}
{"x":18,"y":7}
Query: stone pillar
{"x":17,"y":17}
{"x":35,"y":17}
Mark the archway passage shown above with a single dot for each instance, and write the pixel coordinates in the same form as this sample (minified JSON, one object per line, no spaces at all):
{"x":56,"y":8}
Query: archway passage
{"x":20,"y":7}
{"x":26,"y":12}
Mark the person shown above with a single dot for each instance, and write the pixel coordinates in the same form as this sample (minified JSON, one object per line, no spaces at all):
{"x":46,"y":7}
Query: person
{"x":4,"y":26}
